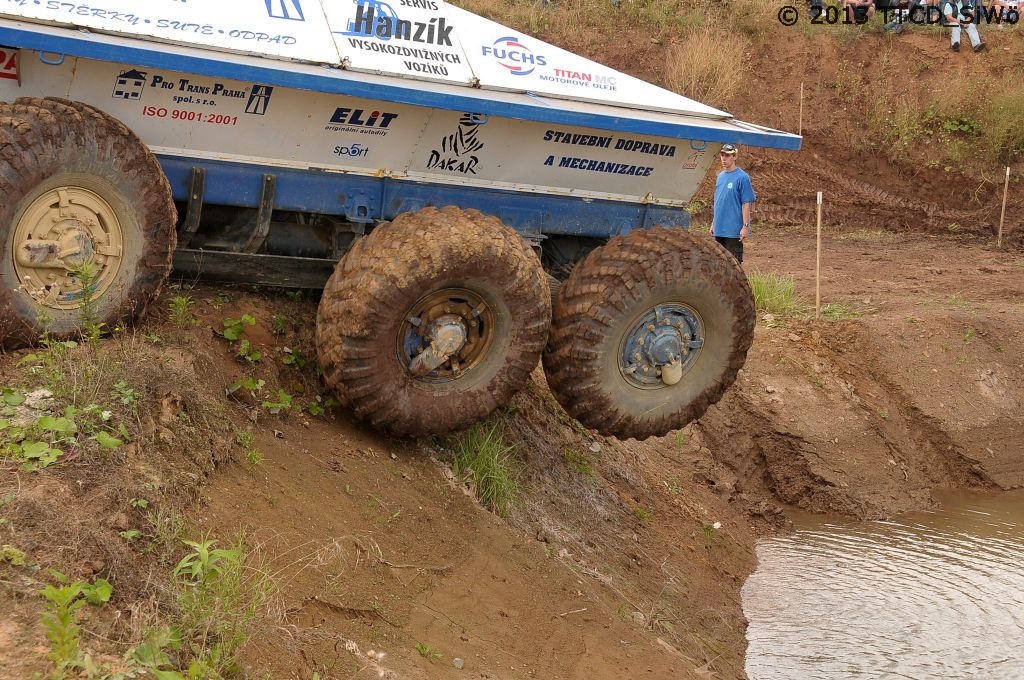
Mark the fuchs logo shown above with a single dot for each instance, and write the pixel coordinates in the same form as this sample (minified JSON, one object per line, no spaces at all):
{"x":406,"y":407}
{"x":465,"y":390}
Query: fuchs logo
{"x":514,"y":56}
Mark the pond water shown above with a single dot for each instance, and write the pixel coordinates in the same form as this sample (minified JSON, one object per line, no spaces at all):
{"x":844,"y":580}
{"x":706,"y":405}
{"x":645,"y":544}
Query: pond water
{"x":930,"y":595}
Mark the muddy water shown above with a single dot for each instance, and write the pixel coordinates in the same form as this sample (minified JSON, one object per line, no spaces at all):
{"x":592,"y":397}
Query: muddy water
{"x":930,"y":595}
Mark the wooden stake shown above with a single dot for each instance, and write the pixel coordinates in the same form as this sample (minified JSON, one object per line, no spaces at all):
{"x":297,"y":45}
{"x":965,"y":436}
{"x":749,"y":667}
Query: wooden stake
{"x":800,"y":122}
{"x":817,"y":266}
{"x":1002,"y":215}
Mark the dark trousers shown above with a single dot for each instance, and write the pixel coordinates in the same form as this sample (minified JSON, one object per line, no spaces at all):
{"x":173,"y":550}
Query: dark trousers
{"x":733,"y":245}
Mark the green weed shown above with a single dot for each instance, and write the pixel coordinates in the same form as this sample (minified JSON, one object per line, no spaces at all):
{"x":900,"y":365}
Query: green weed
{"x":13,"y":556}
{"x":1003,"y":125}
{"x":836,"y":311}
{"x":122,"y":392}
{"x":279,"y":324}
{"x":578,"y":461}
{"x":283,"y":403}
{"x":60,"y":620}
{"x":427,"y":653}
{"x":220,"y":598}
{"x":774,"y":294}
{"x":709,"y":531}
{"x":235,"y":328}
{"x":181,"y":310}
{"x":483,"y":457}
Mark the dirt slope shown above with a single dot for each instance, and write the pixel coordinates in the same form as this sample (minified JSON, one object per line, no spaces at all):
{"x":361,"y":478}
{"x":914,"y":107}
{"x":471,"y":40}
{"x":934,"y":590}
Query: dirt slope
{"x":609,"y":565}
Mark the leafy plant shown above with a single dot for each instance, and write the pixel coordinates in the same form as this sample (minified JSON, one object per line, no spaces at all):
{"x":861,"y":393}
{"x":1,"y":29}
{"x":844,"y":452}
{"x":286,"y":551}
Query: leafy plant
{"x":235,"y":328}
{"x":181,"y":310}
{"x":123,"y":392}
{"x":293,"y":357}
{"x":252,"y":454}
{"x":87,"y":275}
{"x":252,"y":385}
{"x":60,"y":619}
{"x":245,"y":351}
{"x":284,"y":401}
{"x":427,"y":652}
{"x":13,"y":556}
{"x":220,"y":601}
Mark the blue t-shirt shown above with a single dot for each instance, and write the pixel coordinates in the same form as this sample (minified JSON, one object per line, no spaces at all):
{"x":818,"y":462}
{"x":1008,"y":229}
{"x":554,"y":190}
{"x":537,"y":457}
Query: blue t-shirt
{"x":732,"y":190}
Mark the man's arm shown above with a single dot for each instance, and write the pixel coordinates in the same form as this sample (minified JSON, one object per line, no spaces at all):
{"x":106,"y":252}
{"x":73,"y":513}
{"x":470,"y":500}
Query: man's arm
{"x":745,"y":229}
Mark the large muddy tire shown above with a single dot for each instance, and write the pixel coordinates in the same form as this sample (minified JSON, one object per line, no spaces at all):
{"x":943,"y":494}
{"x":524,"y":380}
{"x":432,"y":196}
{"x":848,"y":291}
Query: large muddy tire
{"x":403,"y":284}
{"x":630,"y":306}
{"x":79,"y":194}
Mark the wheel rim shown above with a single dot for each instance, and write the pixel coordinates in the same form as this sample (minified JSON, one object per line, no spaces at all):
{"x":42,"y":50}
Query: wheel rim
{"x":67,"y":247}
{"x":446,"y":307}
{"x":662,"y":335}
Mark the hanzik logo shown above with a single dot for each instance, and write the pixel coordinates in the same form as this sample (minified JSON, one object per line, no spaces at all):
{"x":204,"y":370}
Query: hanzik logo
{"x":514,"y":56}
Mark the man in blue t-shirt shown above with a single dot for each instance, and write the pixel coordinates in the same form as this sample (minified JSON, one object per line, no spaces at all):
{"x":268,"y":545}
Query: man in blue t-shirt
{"x":734,"y":194}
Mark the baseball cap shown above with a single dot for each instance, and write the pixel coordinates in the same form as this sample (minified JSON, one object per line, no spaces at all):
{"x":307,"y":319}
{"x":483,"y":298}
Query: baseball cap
{"x":729,"y":149}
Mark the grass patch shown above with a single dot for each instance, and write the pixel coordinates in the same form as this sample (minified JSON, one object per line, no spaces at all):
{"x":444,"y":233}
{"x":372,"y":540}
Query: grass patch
{"x":705,"y":66}
{"x":578,"y":461}
{"x":775,"y":294}
{"x":483,"y":457}
{"x":837,"y":311}
{"x":1003,"y":123}
{"x":868,"y":236}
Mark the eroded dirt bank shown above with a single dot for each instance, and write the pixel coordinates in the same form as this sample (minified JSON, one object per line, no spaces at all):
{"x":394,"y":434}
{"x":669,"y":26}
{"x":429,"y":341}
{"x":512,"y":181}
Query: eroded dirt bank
{"x":621,"y":559}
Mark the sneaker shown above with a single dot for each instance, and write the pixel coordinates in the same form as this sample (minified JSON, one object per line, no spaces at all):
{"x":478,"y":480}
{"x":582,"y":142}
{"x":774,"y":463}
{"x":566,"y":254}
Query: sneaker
{"x":979,"y":47}
{"x":955,"y":47}
{"x":900,"y":28}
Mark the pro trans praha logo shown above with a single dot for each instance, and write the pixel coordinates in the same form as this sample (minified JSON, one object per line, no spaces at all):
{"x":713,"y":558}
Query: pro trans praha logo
{"x":514,"y":56}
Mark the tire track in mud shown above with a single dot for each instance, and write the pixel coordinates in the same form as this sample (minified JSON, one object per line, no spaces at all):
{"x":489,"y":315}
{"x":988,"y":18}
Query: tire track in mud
{"x":894,"y":452}
{"x":787,"y":195}
{"x":925,"y":441}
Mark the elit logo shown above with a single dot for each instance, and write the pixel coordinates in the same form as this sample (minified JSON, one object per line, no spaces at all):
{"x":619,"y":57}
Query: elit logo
{"x":514,"y":56}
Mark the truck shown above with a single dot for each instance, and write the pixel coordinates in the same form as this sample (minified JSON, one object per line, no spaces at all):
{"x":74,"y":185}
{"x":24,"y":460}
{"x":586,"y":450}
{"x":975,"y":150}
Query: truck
{"x":470,"y":200}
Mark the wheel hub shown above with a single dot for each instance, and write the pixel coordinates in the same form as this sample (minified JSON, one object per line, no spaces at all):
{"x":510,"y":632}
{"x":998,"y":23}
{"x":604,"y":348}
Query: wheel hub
{"x":445,"y":334}
{"x":661,"y":345}
{"x":67,"y":246}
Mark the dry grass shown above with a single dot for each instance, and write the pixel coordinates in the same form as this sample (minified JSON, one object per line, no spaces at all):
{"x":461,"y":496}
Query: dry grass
{"x":707,"y":66}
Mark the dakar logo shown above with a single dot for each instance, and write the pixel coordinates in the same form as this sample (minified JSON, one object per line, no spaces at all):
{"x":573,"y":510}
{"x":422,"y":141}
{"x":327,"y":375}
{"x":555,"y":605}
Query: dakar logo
{"x":691,"y":161}
{"x":458,"y":150}
{"x":514,"y":56}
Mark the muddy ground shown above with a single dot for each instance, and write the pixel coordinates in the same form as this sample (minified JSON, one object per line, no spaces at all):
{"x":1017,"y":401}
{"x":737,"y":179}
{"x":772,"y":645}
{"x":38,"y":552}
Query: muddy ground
{"x":610,"y":564}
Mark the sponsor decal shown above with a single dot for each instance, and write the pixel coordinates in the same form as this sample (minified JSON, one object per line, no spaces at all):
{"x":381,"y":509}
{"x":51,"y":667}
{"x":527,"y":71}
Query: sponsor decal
{"x":373,"y":122}
{"x":513,"y":55}
{"x":259,"y":100}
{"x":375,"y":19}
{"x":692,"y":160}
{"x":129,"y":85}
{"x":285,"y":9}
{"x":594,"y":81}
{"x":458,"y":150}
{"x":352,"y":150}
{"x":9,"y":63}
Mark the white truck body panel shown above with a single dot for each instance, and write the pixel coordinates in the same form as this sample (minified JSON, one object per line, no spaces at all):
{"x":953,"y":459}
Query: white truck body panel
{"x":205,"y":117}
{"x":421,"y":39}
